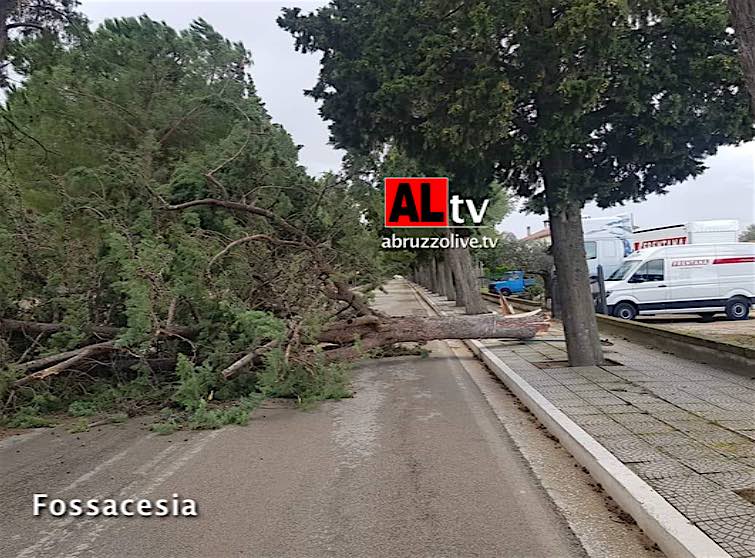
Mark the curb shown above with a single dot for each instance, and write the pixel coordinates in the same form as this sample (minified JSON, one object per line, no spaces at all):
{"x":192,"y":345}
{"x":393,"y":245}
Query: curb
{"x":664,"y":524}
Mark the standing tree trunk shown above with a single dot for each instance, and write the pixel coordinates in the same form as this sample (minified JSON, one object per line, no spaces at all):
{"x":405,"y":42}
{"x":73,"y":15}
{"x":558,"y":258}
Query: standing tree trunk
{"x":575,"y":297}
{"x":458,"y":291}
{"x":743,"y":18}
{"x":434,"y":275}
{"x":442,"y":287}
{"x":449,"y":278}
{"x":464,"y":276}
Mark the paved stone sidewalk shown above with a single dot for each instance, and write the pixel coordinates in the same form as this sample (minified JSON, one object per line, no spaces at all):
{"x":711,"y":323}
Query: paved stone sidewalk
{"x":686,"y":428}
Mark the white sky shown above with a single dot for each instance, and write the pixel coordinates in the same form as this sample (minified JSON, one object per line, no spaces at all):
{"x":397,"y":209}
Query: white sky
{"x":725,"y":191}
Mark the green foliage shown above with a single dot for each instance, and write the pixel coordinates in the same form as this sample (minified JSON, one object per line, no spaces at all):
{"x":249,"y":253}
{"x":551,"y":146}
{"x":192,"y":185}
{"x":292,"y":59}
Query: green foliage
{"x":82,"y":408}
{"x":603,"y":101}
{"x":28,"y":417}
{"x":109,"y":127}
{"x":81,"y":425}
{"x":194,"y":384}
{"x":166,"y":427}
{"x":306,"y":384}
{"x":205,"y":419}
{"x":535,"y":291}
{"x":511,"y":254}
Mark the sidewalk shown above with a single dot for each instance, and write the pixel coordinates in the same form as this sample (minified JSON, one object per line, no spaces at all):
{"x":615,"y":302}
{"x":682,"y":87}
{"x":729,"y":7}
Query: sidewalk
{"x":686,"y":428}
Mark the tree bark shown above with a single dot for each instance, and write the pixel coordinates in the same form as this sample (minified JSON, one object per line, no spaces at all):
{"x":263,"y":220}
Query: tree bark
{"x":743,"y":19}
{"x":461,"y":260}
{"x":434,"y":275}
{"x":575,"y":297}
{"x":73,"y":359}
{"x":448,"y":278}
{"x":442,"y":277}
{"x":399,"y":329}
{"x":458,"y":291}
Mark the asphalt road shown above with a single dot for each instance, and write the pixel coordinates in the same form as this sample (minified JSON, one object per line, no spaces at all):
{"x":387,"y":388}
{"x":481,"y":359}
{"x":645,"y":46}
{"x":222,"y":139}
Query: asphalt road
{"x":415,"y":464}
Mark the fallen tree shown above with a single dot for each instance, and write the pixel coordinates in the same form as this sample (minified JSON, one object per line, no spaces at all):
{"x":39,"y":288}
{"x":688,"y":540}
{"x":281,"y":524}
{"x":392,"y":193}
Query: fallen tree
{"x":341,"y":340}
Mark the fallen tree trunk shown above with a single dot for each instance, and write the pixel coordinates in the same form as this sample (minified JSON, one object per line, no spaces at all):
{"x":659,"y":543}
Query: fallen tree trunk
{"x":248,"y":359}
{"x":419,"y":328}
{"x":76,"y":357}
{"x":352,"y":338}
{"x":24,"y":326}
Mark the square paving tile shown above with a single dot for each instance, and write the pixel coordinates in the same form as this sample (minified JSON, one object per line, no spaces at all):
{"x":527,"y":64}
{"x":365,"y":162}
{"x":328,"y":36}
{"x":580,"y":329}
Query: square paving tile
{"x":724,"y":415}
{"x":600,"y":401}
{"x":736,"y":535}
{"x":634,"y":418}
{"x":666,"y":439}
{"x":733,"y":449}
{"x":591,"y":392}
{"x":720,"y":435}
{"x":734,"y":480}
{"x":696,"y":425}
{"x":738,"y":424}
{"x":604,"y":429}
{"x":661,"y":469}
{"x":704,"y":506}
{"x":713,"y":465}
{"x":586,"y":388}
{"x":620,"y":409}
{"x":692,"y":450}
{"x":630,"y":449}
{"x":582,"y":410}
{"x":659,"y":407}
{"x":649,"y":427}
{"x":596,"y":419}
{"x":685,"y":483}
{"x":679,"y":414}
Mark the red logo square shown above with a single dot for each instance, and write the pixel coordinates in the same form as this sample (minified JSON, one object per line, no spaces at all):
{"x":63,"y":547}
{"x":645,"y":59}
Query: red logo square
{"x":416,"y":202}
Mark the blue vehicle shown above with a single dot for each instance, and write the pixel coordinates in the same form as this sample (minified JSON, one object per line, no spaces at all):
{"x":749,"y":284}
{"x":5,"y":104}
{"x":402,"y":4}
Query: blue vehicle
{"x":512,"y":282}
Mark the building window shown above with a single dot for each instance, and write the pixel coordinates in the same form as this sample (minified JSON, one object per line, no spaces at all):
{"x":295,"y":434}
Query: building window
{"x":650,"y":271}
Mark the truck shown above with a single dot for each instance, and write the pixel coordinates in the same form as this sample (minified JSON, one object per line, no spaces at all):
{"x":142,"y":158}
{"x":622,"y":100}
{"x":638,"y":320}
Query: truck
{"x":607,"y":242}
{"x":511,"y":282}
{"x":711,"y":231}
{"x":701,"y":279}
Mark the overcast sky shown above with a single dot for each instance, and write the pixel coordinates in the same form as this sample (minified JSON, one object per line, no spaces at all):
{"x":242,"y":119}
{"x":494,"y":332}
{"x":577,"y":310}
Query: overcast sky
{"x":725,"y":191}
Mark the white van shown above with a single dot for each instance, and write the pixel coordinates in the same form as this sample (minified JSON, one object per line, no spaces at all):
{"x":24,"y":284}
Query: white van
{"x":690,"y":279}
{"x":606,"y":251}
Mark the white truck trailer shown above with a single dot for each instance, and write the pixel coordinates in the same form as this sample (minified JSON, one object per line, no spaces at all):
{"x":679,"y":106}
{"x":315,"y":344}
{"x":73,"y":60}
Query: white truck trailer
{"x":719,"y":231}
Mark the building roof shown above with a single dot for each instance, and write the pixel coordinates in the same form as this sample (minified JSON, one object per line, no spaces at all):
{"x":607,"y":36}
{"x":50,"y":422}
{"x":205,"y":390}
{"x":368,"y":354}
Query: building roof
{"x":538,"y":235}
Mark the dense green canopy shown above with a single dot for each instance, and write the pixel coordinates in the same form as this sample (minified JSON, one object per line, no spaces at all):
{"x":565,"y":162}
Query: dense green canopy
{"x":635,"y":94}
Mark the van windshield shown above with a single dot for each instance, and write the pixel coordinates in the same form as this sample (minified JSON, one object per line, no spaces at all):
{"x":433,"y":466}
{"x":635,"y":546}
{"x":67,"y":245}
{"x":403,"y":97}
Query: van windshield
{"x":621,"y":273}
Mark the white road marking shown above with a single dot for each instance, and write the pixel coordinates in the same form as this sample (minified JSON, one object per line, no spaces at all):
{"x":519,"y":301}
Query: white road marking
{"x":61,"y":530}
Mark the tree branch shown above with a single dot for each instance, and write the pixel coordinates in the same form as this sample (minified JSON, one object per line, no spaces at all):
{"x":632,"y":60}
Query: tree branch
{"x":76,"y":357}
{"x":20,"y":24}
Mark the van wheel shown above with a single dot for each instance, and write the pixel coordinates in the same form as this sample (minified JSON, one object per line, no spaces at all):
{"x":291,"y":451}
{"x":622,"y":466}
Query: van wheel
{"x":505,"y":292}
{"x":707,"y":316}
{"x":738,"y":309}
{"x":625,"y":311}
